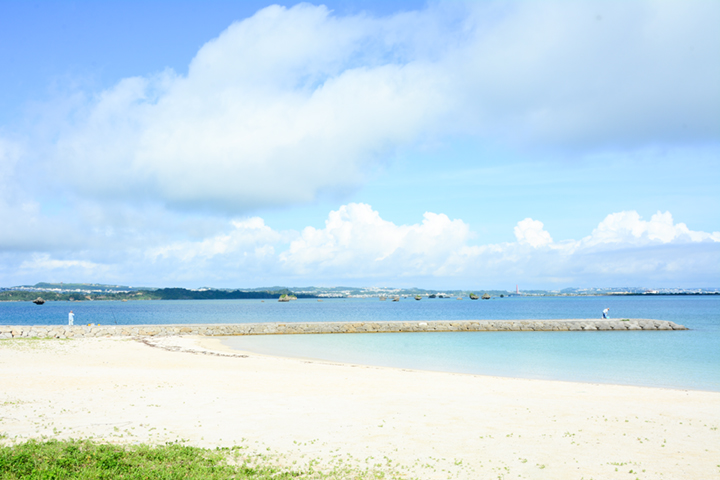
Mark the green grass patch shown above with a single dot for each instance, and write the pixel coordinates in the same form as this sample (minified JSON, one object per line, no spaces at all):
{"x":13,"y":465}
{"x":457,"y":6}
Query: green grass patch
{"x":84,"y":459}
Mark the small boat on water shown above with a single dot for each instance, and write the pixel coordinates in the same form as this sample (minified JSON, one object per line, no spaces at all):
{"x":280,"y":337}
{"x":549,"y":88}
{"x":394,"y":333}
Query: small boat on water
{"x":38,"y":301}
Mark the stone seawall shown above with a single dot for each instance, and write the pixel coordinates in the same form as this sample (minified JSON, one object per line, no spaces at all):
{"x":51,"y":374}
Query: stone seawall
{"x":80,"y":331}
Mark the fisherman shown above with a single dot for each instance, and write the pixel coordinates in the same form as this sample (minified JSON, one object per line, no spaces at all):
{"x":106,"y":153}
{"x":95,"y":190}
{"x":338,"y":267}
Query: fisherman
{"x":606,"y":313}
{"x":71,"y":317}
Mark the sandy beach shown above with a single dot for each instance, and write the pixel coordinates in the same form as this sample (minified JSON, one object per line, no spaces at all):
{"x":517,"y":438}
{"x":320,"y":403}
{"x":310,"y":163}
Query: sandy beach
{"x":414,"y":423}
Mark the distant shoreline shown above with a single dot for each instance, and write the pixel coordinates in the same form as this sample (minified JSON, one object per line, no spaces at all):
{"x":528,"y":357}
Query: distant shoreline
{"x":26,"y":296}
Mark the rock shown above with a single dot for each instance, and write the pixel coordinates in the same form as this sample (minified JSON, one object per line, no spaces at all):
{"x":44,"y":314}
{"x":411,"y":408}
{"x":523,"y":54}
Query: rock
{"x":335,"y":327}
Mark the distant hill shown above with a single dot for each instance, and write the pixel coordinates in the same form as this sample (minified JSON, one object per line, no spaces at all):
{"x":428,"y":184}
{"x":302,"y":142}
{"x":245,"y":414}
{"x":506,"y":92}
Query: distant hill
{"x":184,"y":294}
{"x":88,"y":292}
{"x":97,"y":291}
{"x":82,"y":287}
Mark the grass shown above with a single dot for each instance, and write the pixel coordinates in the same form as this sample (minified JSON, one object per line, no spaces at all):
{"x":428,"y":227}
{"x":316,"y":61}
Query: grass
{"x":84,"y":459}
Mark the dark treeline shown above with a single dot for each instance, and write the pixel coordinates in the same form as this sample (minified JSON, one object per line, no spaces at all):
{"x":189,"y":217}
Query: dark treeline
{"x":184,"y":294}
{"x":159,"y":294}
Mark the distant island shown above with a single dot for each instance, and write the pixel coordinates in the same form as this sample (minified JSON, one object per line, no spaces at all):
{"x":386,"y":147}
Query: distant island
{"x":94,"y":291}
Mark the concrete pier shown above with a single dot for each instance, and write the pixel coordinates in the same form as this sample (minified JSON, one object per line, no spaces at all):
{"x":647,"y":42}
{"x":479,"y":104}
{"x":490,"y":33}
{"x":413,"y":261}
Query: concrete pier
{"x":81,"y":331}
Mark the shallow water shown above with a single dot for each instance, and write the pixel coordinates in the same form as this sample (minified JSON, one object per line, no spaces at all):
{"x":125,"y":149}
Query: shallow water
{"x":676,"y":359}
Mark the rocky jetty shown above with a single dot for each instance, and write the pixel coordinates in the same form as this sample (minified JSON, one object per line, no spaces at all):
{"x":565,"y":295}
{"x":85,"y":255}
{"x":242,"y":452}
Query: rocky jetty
{"x":573,"y":325}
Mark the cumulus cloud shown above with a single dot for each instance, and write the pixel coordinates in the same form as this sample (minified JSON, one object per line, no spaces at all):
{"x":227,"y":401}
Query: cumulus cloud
{"x":627,"y":228}
{"x":357,"y":241}
{"x":294,"y":102}
{"x":531,"y":232}
{"x":623,"y":249}
{"x":357,"y":245}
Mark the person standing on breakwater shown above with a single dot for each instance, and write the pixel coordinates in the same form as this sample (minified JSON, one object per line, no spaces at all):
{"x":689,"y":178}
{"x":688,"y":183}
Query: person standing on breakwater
{"x":71,"y":317}
{"x":606,"y":313}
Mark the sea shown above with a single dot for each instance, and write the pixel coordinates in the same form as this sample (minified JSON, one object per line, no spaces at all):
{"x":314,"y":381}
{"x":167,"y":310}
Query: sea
{"x":665,"y":359}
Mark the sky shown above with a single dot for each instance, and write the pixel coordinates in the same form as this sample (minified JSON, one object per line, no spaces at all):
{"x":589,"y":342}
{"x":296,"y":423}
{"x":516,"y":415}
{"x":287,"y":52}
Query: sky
{"x":440,"y":145}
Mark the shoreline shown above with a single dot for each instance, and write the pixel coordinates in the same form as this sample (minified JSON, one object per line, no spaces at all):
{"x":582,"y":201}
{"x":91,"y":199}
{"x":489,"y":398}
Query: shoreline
{"x":428,"y":424}
{"x":215,"y":346}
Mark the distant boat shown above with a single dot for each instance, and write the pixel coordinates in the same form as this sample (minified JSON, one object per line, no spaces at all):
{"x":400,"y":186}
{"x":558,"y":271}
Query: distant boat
{"x":38,"y":301}
{"x":396,"y":299}
{"x":418,"y":297}
{"x":486,"y":296}
{"x":459,"y":298}
{"x":473,"y":296}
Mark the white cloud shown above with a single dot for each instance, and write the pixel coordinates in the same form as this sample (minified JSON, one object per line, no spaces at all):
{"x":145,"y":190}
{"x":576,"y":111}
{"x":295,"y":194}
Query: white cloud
{"x":531,"y":232}
{"x":44,"y":264}
{"x":23,"y":226}
{"x":357,"y":245}
{"x":251,"y":235}
{"x":356,"y":241}
{"x":294,"y":102}
{"x":626,"y":228}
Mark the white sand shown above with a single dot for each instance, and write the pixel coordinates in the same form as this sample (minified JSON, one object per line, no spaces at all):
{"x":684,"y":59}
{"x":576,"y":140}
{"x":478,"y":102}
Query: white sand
{"x":439,"y":425}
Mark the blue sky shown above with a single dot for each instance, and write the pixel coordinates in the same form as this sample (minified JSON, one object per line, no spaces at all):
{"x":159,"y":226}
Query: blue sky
{"x":439,"y":145}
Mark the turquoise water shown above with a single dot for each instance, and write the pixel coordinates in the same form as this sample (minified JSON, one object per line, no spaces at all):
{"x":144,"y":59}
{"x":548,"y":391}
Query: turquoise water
{"x":674,"y":359}
{"x":678,"y":359}
{"x":655,"y":359}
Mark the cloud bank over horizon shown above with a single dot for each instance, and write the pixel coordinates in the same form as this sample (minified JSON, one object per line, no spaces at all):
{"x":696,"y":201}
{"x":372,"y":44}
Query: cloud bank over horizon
{"x":357,"y":246}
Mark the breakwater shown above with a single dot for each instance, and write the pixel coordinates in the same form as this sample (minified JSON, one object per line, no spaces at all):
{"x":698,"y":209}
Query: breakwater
{"x":81,"y":331}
